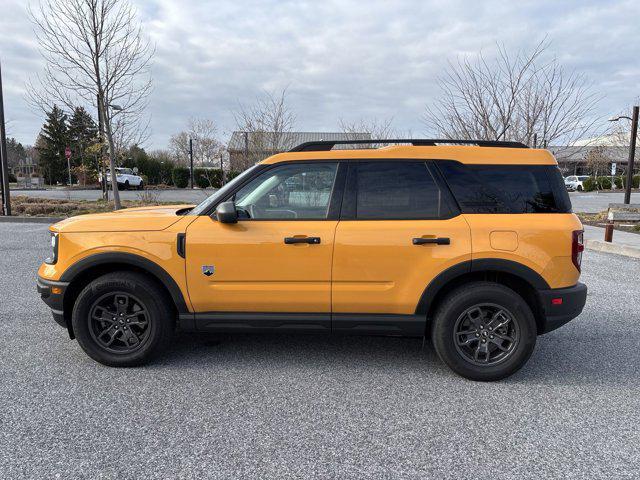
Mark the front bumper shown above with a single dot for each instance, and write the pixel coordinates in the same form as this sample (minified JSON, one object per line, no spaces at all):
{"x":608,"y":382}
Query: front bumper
{"x":560,"y":305}
{"x":52,"y":293}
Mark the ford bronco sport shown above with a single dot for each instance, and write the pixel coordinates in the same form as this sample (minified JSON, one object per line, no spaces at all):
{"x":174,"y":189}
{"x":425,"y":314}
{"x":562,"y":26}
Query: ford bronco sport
{"x":470,"y":243}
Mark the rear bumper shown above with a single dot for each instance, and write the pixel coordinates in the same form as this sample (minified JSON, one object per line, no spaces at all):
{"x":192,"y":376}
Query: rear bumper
{"x":52,"y":293}
{"x":560,"y":305}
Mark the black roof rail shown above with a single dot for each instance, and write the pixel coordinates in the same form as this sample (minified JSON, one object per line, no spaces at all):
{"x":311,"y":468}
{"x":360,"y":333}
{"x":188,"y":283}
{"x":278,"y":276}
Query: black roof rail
{"x":325,"y":145}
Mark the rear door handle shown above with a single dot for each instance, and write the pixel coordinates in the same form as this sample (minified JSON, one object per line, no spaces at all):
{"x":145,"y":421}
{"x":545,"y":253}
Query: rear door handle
{"x":436,"y":241}
{"x":294,"y":240}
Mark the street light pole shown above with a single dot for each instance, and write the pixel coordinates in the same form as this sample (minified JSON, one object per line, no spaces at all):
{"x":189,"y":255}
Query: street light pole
{"x":632,"y":151}
{"x":4,"y":161}
{"x":632,"y":155}
{"x":191,"y":162}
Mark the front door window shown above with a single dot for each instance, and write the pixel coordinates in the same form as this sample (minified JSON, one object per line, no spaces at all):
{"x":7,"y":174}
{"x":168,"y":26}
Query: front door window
{"x":288,"y":192}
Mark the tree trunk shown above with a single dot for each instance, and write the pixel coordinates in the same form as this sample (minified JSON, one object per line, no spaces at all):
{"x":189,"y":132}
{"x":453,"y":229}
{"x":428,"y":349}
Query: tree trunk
{"x":112,"y":165}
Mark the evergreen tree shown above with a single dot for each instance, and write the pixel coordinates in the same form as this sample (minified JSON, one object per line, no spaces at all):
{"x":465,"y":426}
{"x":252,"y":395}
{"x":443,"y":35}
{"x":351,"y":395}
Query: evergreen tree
{"x":54,"y":138}
{"x":83,"y":133}
{"x":15,"y":152}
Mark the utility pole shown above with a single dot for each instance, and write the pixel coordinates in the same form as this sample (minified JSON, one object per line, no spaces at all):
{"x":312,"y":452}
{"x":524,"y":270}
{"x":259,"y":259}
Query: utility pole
{"x":632,"y":150}
{"x":4,"y":161}
{"x":191,"y":162}
{"x":632,"y":155}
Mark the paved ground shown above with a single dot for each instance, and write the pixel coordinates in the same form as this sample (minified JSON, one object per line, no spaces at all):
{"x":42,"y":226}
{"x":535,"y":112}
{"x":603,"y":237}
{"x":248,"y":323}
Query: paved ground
{"x":582,"y":202}
{"x":183,"y":195}
{"x":315,"y":407}
{"x":594,"y":202}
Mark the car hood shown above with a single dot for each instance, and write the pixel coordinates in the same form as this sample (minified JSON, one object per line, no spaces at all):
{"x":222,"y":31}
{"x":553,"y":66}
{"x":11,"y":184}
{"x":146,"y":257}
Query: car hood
{"x":125,"y":220}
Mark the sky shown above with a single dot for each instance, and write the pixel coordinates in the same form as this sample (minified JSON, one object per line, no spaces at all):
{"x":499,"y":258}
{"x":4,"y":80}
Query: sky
{"x":347,"y":60}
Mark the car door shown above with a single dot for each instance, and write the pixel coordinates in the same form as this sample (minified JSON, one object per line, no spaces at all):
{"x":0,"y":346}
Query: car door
{"x":277,"y":258}
{"x":399,"y":230}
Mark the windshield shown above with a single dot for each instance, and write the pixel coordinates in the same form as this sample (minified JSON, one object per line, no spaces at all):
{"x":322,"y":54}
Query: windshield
{"x":220,"y":194}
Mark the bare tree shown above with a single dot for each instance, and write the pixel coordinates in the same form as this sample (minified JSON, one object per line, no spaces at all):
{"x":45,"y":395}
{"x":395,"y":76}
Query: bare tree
{"x":95,"y":55}
{"x":206,"y":147}
{"x":598,"y":162}
{"x":266,"y":127}
{"x":375,"y":128}
{"x":513,"y":97}
{"x":208,"y":151}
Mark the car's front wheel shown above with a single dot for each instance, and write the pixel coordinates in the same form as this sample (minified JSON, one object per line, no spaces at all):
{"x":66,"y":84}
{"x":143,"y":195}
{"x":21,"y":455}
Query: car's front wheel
{"x":484,"y":331}
{"x":122,"y":319}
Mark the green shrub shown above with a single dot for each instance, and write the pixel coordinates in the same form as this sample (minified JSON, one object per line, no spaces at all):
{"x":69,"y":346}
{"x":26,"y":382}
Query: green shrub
{"x":231,"y":174}
{"x":604,"y":183}
{"x":12,"y":178}
{"x":215,"y":175}
{"x":201,"y":178}
{"x":636,"y":181}
{"x":589,"y":184}
{"x":620,"y":181}
{"x":180,"y":176}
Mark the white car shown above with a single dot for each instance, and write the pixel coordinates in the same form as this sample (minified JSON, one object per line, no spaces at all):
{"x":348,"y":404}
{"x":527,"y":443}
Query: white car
{"x":574,"y":182}
{"x":126,"y":177}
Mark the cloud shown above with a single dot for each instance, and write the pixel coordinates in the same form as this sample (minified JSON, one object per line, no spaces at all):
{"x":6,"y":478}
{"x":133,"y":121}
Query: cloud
{"x":342,"y":59}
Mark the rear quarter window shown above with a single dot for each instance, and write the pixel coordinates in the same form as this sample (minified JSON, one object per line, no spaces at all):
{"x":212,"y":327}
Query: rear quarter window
{"x":506,"y":188}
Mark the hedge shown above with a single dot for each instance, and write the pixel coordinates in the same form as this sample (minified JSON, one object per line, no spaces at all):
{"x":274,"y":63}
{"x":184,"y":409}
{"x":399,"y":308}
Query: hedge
{"x":589,"y":184}
{"x":180,"y":176}
{"x":604,"y":183}
{"x":207,"y":177}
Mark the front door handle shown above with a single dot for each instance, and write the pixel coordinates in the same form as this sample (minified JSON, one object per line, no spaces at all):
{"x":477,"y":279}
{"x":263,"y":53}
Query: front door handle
{"x":294,"y":240}
{"x":436,"y":241}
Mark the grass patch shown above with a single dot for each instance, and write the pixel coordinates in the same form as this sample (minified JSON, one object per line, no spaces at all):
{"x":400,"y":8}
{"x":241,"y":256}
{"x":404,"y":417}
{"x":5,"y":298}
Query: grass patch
{"x":592,"y":217}
{"x":45,"y":207}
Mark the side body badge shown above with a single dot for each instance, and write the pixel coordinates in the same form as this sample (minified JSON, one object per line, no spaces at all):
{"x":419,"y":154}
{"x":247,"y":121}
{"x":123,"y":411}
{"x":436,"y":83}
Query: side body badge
{"x":208,"y":270}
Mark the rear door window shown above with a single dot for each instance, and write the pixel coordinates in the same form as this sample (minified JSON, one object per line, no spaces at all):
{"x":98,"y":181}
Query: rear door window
{"x":506,"y":188}
{"x":397,"y":190}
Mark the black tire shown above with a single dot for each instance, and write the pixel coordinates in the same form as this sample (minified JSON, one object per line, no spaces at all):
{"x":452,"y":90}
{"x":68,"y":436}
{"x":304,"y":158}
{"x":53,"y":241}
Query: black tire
{"x":126,"y":185}
{"x":140,"y":186}
{"x":579,"y":188}
{"x":144,"y":314}
{"x":469,"y":315}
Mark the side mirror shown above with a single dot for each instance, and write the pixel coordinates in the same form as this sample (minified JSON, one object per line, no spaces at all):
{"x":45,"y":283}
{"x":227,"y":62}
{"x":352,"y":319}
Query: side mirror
{"x":226,"y":212}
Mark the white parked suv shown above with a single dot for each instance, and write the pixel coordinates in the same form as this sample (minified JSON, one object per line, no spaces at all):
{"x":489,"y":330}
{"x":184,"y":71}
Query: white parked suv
{"x":574,"y":182}
{"x":126,"y":178}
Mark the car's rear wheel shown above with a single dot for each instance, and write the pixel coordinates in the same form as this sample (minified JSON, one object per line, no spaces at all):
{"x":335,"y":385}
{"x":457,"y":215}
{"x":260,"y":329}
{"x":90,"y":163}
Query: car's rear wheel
{"x":121,"y":319}
{"x":140,"y":185}
{"x":484,"y":331}
{"x":579,"y":188}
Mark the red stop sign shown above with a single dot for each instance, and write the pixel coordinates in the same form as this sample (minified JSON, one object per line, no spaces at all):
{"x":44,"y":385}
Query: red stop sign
{"x":67,"y":153}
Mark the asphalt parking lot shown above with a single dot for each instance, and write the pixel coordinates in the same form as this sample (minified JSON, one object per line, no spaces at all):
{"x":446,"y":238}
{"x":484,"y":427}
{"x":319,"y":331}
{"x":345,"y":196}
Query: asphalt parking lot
{"x":583,"y":202}
{"x":316,"y":407}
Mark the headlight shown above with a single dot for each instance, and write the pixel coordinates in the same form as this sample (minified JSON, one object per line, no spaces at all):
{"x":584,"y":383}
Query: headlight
{"x":54,"y":249}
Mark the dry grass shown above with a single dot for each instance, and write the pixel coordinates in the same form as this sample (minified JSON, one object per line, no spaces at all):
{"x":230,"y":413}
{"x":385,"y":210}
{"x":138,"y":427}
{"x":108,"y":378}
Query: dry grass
{"x":44,"y":207}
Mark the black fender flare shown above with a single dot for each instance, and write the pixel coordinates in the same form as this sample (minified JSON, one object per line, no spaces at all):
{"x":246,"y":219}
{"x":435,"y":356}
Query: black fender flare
{"x":519,"y":270}
{"x":137,"y":261}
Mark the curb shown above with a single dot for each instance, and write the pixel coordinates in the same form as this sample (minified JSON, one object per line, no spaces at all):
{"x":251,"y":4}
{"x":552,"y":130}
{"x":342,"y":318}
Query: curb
{"x":47,"y":220}
{"x":606,"y":247}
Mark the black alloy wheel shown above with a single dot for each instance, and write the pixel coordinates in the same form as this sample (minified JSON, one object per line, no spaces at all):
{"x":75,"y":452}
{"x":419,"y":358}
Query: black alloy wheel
{"x":485,"y":334}
{"x":484,"y":331}
{"x":123,"y":318}
{"x":119,"y":322}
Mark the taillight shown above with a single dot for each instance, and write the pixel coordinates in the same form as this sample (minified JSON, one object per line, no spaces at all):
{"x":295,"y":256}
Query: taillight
{"x":577,"y":248}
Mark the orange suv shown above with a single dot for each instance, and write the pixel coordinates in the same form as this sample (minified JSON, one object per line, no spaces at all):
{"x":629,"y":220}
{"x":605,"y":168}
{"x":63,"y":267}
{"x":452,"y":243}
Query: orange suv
{"x":470,"y":243}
